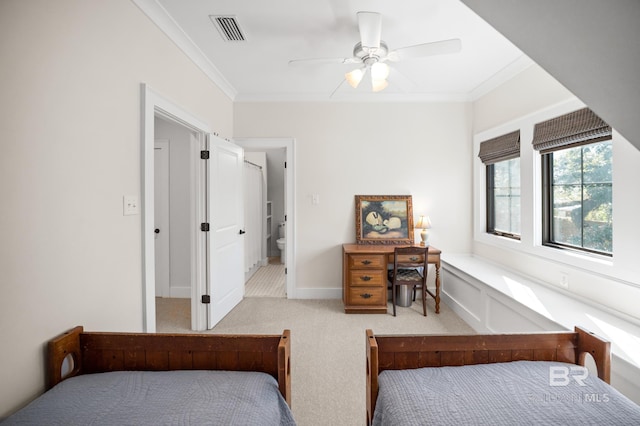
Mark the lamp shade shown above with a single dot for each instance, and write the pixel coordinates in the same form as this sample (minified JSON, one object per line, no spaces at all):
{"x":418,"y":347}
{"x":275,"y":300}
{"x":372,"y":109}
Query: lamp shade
{"x":354,"y":77}
{"x":379,"y":71}
{"x":378,"y":85}
{"x":424,"y":222}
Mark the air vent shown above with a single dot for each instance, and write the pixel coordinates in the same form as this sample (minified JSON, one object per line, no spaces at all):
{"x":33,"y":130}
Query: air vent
{"x":228,"y":27}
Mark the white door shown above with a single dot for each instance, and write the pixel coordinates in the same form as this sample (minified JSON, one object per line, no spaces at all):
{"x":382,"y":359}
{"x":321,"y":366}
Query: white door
{"x":225,"y":238}
{"x":161,"y":216}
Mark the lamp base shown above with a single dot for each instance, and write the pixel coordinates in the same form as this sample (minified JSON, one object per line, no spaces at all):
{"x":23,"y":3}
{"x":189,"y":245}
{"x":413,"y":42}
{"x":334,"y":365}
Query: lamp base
{"x":423,"y":237}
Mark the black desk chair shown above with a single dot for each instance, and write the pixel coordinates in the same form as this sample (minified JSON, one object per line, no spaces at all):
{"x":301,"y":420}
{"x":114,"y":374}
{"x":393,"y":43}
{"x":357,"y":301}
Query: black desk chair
{"x":406,"y":261}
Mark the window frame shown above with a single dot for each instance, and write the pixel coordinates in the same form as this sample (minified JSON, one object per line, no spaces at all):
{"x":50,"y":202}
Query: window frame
{"x":546,"y":162}
{"x":490,"y":204}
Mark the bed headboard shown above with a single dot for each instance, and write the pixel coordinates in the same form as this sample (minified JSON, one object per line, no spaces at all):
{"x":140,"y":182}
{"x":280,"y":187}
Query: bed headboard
{"x":406,"y":352}
{"x":93,"y":352}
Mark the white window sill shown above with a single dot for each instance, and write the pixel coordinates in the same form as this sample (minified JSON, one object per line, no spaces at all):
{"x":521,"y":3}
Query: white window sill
{"x":559,"y":306}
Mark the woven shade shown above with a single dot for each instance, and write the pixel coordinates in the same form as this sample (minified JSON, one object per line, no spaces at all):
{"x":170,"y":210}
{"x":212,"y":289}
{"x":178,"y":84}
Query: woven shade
{"x":577,"y":128}
{"x":502,"y":148}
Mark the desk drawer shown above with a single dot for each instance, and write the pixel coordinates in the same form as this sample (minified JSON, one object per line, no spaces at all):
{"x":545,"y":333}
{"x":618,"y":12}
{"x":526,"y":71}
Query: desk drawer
{"x":372,"y":296}
{"x":368,"y":277}
{"x":367,"y":261}
{"x":418,"y":259}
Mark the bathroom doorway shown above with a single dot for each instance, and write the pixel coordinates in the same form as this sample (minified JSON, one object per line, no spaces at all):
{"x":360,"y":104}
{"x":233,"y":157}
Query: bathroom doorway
{"x":275,"y":276}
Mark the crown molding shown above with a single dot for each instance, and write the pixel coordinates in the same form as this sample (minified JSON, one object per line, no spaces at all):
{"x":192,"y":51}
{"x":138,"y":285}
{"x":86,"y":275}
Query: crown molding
{"x":367,"y":97}
{"x":176,"y":34}
{"x":501,"y":77}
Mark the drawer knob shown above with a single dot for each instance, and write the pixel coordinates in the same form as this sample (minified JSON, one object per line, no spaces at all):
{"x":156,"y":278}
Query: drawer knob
{"x":413,"y":259}
{"x":366,"y":262}
{"x":365,"y":278}
{"x":366,"y":295}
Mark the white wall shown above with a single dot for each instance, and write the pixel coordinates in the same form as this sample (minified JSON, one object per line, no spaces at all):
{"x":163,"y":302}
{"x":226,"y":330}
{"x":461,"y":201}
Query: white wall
{"x":346,"y":149}
{"x":70,"y":116}
{"x":610,"y":282}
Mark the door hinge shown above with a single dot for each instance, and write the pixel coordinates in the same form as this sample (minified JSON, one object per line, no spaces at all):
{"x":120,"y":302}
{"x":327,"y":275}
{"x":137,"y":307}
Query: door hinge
{"x":204,"y":227}
{"x":285,"y":217}
{"x":285,"y":164}
{"x":285,"y":271}
{"x":206,"y":299}
{"x":204,"y":155}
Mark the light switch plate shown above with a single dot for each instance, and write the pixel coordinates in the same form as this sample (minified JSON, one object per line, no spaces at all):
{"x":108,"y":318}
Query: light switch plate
{"x":130,"y":205}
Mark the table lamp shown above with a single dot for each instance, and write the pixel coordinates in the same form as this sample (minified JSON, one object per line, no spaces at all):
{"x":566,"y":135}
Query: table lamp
{"x":424,"y":223}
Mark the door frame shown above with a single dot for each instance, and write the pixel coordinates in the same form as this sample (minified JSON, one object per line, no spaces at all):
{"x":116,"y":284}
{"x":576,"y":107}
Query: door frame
{"x":290,"y":202}
{"x":153,"y":104}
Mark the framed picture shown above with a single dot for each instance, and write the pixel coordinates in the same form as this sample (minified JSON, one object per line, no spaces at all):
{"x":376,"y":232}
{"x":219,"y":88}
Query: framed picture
{"x":384,"y":219}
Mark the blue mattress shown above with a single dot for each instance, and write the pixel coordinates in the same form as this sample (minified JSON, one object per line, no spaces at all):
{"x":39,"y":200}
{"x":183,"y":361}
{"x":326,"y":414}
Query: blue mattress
{"x":510,"y":393}
{"x":160,"y":398}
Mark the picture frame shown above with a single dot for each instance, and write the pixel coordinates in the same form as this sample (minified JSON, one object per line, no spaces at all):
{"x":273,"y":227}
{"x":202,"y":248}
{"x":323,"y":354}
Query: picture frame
{"x":384,"y":219}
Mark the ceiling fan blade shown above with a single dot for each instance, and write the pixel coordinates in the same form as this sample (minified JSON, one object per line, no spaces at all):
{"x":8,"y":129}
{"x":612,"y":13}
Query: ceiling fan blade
{"x":320,"y":61}
{"x":370,"y":26}
{"x":426,"y":49}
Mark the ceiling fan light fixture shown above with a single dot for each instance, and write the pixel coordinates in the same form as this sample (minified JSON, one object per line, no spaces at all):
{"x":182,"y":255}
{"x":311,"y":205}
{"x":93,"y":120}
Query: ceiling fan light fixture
{"x":354,"y":77}
{"x":378,"y":85}
{"x":379,"y":71}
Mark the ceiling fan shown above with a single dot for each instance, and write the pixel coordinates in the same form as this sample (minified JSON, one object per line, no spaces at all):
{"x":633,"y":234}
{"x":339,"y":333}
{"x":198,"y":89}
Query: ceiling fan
{"x":371,"y":54}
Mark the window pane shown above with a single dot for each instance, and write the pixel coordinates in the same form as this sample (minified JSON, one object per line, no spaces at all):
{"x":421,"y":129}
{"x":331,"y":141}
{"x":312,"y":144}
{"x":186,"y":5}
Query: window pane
{"x":567,"y":214}
{"x":598,"y":218}
{"x":567,"y":166}
{"x":506,"y":196}
{"x":597,"y":163}
{"x":581,"y":201}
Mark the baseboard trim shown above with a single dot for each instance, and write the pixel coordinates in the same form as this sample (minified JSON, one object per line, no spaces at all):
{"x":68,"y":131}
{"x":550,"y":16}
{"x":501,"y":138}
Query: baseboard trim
{"x":318,"y":293}
{"x":180,"y":292}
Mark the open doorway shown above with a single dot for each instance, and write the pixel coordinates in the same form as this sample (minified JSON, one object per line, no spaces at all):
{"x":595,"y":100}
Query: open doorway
{"x":265,"y":206}
{"x":173,"y":214}
{"x":276,"y":275}
{"x":158,"y":112}
{"x":217,"y":285}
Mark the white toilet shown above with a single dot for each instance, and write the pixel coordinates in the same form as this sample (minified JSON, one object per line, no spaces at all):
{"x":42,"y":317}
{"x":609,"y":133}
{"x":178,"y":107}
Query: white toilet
{"x":281,"y":241}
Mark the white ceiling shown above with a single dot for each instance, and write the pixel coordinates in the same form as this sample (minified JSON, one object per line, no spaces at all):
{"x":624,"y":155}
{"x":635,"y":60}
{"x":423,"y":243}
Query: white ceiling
{"x":280,"y":30}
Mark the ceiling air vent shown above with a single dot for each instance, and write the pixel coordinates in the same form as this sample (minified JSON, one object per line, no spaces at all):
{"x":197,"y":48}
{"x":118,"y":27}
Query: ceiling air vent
{"x":228,"y":27}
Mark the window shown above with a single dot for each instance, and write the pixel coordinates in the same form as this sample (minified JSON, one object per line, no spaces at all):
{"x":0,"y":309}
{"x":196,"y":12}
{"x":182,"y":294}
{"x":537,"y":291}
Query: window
{"x":578,"y":204}
{"x":503,"y":198}
{"x":501,"y":156}
{"x":576,"y":182}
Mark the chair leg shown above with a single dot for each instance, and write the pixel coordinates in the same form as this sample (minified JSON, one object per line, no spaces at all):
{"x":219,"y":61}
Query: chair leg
{"x":424,"y":299}
{"x":393,"y":298}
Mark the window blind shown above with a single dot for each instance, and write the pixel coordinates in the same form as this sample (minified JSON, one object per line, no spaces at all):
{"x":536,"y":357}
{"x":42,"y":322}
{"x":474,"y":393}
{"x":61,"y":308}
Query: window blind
{"x":501,"y":148}
{"x":576,"y":128}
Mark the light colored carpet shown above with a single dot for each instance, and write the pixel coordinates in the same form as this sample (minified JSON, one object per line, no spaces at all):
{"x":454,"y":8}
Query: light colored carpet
{"x":268,"y":281}
{"x":328,"y":358}
{"x":173,"y":313}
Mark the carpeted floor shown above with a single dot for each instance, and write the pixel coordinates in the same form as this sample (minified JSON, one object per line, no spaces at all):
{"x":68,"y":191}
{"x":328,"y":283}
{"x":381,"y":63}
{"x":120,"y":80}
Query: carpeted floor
{"x":327,"y":348}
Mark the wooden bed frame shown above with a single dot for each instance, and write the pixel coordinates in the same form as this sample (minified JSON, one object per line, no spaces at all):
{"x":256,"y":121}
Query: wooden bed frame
{"x":405,"y":352}
{"x":85,"y":353}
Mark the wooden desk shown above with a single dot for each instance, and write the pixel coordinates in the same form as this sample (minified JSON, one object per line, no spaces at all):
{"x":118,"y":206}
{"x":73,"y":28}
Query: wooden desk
{"x":364,"y":277}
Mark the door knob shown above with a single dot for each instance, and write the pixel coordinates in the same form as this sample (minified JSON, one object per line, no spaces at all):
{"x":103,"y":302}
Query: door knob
{"x":242,"y":232}
{"x":157,"y":231}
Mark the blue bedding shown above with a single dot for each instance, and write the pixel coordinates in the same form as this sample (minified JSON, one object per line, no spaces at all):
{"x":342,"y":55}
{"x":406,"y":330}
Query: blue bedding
{"x":510,"y":393}
{"x":160,"y":398}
